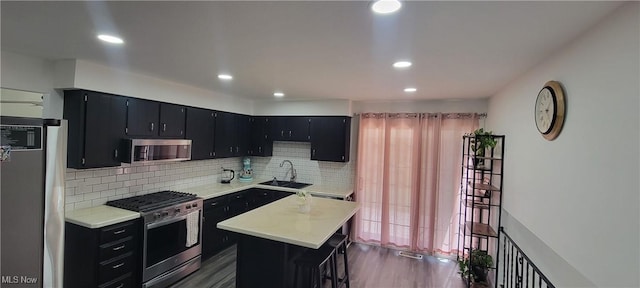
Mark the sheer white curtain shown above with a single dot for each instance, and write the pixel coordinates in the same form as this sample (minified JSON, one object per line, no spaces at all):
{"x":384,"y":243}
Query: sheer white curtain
{"x":408,"y":179}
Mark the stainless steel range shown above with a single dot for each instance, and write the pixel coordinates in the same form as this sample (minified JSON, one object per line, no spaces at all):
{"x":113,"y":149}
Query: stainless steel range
{"x":172,"y":235}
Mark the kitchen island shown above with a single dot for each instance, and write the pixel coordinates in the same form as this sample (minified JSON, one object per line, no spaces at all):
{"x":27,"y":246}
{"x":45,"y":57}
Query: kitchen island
{"x":273,"y":235}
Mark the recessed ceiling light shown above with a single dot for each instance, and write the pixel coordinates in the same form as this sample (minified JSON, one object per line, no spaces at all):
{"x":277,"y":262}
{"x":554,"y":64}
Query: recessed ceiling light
{"x":402,"y":64}
{"x":386,"y":6}
{"x":110,"y":39}
{"x":225,"y":77}
{"x":410,"y":90}
{"x":278,"y":94}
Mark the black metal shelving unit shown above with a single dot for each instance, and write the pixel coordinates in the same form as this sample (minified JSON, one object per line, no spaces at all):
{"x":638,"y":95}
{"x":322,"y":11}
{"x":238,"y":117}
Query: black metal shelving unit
{"x":481,"y":203}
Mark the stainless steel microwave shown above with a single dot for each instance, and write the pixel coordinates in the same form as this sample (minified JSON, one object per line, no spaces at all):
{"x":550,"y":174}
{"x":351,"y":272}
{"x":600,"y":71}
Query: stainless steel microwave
{"x":156,"y":150}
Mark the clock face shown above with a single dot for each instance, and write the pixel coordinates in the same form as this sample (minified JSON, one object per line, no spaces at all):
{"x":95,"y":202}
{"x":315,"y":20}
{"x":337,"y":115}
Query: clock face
{"x":545,"y":112}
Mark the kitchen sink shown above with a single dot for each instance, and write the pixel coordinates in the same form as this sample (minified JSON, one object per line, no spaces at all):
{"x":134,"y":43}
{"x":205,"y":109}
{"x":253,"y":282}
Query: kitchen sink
{"x":280,"y":183}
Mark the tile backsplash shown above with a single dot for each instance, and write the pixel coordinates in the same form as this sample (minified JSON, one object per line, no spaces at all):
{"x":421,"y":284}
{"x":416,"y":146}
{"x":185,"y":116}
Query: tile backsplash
{"x":93,"y":187}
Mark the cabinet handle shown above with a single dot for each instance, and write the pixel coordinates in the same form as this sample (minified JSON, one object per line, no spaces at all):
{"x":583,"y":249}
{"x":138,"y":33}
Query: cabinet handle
{"x":281,"y":133}
{"x":237,"y":149}
{"x":152,"y":126}
{"x":214,"y":204}
{"x":342,"y":157}
{"x":164,"y":127}
{"x":260,"y":149}
{"x":210,"y":153}
{"x":117,"y":266}
{"x":231,"y":149}
{"x":119,"y":231}
{"x":115,"y":153}
{"x":289,"y":133}
{"x":118,"y":248}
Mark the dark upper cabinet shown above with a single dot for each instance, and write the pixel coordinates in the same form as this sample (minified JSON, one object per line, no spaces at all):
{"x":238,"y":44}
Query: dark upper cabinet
{"x":142,"y":118}
{"x":152,"y":119}
{"x":290,"y":128}
{"x":330,"y":138}
{"x":243,"y":135}
{"x":200,"y":127}
{"x":172,"y":118}
{"x":97,"y":123}
{"x":231,"y":134}
{"x":261,"y":143}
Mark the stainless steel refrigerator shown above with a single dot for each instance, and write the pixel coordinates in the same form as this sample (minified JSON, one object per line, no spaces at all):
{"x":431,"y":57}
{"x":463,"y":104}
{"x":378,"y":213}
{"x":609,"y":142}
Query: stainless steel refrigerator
{"x":32,"y":168}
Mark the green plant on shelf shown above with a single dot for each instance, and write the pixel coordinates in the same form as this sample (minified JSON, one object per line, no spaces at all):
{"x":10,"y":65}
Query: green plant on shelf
{"x":481,"y":141}
{"x":476,"y":265}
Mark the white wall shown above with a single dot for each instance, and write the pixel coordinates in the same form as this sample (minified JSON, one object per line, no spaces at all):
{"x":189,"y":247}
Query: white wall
{"x":579,"y":194}
{"x":422,"y":106}
{"x":92,"y":76}
{"x":303,"y":108}
{"x":31,"y":74}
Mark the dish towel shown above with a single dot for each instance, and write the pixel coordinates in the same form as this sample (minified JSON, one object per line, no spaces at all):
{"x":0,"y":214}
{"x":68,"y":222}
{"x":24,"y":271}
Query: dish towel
{"x":193,"y":221}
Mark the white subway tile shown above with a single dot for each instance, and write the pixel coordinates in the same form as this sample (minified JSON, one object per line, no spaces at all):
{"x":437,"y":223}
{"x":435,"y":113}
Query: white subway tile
{"x":121,"y":191}
{"x":91,"y":196}
{"x":101,"y":173}
{"x":100,"y":187}
{"x":118,"y":171}
{"x":83,"y":204}
{"x":92,"y":181}
{"x":116,"y":185}
{"x":84,"y":174}
{"x":122,"y":177}
{"x":70,"y":175}
{"x":84,"y":189}
{"x":136,"y":176}
{"x":107,"y":193}
{"x":98,"y":202}
{"x":129,"y":183}
{"x":142,"y":181}
{"x":69,"y":206}
{"x":134,"y":189}
{"x":142,"y":169}
{"x":108,"y":179}
{"x":127,"y":170}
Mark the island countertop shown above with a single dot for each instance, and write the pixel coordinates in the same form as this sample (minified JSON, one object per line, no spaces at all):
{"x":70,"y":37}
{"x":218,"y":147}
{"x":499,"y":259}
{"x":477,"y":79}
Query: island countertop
{"x":281,"y":221}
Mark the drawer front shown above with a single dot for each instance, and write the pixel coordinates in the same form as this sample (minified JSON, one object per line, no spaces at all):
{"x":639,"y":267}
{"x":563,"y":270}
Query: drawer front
{"x":113,"y":249}
{"x":115,"y":232}
{"x":112,"y":269}
{"x":125,"y":281}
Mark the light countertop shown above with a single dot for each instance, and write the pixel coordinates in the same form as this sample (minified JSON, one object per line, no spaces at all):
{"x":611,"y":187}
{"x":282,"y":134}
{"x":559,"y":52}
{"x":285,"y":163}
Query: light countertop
{"x":281,"y":221}
{"x":103,"y":215}
{"x":100,"y":216}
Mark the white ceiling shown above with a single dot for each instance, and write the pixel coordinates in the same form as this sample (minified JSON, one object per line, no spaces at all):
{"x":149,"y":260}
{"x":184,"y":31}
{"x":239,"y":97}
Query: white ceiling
{"x":309,"y":50}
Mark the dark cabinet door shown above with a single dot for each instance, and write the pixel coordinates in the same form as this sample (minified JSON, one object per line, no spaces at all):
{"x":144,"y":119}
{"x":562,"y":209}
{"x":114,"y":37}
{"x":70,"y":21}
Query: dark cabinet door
{"x":261,"y":143}
{"x":97,"y":123}
{"x":215,"y":210}
{"x":290,"y":128}
{"x":172,"y":118}
{"x":330,"y":138}
{"x":142,"y":118}
{"x":242,"y":133}
{"x":200,"y":126}
{"x":238,"y":203}
{"x":225,"y":135}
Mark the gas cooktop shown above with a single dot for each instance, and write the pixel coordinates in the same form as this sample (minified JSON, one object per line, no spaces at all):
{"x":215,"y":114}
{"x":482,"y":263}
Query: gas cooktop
{"x":152,"y":201}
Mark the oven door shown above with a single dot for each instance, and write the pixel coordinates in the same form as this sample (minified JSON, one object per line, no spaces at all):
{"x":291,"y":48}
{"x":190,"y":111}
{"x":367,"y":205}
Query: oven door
{"x":165,"y":245}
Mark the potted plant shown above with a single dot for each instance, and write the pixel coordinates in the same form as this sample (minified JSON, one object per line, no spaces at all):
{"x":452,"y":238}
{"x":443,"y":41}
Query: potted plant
{"x":480,"y":142}
{"x":477,"y":265}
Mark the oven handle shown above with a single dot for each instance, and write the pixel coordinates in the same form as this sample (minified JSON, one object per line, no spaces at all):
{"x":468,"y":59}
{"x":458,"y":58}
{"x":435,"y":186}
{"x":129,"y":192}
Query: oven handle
{"x":168,"y":221}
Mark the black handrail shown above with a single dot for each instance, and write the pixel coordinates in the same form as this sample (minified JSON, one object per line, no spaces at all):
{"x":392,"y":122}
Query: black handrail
{"x":513,"y":268}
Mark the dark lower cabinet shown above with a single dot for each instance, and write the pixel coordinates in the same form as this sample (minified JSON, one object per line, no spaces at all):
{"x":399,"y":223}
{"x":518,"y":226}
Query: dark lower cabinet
{"x":102,"y":257}
{"x":96,"y":126}
{"x":330,"y":138}
{"x":224,"y":207}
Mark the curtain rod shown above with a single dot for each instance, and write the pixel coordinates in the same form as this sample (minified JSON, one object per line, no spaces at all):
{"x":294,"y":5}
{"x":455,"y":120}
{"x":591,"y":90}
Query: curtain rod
{"x":481,"y":115}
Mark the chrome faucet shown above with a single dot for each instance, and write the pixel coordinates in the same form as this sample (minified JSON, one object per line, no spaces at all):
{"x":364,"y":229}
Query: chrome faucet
{"x":294,"y":175}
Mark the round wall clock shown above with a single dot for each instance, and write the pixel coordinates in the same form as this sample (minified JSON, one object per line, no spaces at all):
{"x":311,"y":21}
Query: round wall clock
{"x":550,"y":110}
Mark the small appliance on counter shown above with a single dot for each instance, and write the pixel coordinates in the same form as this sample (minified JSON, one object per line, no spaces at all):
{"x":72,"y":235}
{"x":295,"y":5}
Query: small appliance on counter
{"x":227,"y":176}
{"x":246,"y":175}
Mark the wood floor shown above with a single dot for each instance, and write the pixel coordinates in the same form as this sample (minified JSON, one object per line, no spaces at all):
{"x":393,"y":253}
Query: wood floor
{"x":369,"y":266}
